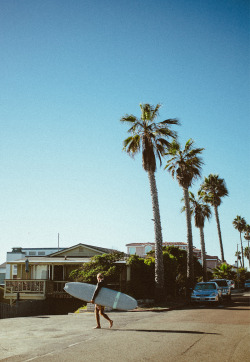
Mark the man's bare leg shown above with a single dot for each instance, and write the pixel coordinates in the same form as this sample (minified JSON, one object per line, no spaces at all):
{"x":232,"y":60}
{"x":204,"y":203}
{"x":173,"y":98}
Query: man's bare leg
{"x":97,"y":317}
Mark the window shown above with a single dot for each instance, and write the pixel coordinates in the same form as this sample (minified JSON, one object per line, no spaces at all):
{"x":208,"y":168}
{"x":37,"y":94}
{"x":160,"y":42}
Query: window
{"x":41,"y":252}
{"x":132,"y":250}
{"x":32,"y":253}
{"x":148,"y":248}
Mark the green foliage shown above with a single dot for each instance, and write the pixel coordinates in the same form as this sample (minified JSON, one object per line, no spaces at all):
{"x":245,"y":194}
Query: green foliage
{"x":104,"y":264}
{"x":184,"y":164}
{"x":175,"y":272}
{"x":242,"y":276}
{"x":142,"y":283}
{"x":224,"y":271}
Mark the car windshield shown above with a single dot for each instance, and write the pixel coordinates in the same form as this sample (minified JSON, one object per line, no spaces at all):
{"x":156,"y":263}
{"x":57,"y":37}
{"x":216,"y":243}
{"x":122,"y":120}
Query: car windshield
{"x":221,"y":283}
{"x":205,"y":286}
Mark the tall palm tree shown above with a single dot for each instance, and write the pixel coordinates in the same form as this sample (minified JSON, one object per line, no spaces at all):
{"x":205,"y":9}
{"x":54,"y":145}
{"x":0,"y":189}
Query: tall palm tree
{"x":247,"y":237}
{"x":201,"y":212}
{"x":212,"y":190}
{"x":152,"y":138}
{"x":239,"y":224}
{"x":186,"y":167}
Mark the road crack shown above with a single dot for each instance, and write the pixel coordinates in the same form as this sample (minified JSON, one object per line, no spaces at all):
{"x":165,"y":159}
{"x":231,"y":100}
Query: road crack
{"x":188,"y":349}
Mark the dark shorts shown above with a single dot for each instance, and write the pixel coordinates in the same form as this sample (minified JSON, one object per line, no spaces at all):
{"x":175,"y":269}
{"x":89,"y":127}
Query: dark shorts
{"x":99,"y":307}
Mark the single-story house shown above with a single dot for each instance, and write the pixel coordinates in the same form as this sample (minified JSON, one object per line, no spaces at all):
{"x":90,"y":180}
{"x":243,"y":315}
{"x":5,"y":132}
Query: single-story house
{"x":41,"y":277}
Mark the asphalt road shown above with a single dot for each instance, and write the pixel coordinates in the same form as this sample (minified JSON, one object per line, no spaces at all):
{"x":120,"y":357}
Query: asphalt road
{"x":201,"y":333}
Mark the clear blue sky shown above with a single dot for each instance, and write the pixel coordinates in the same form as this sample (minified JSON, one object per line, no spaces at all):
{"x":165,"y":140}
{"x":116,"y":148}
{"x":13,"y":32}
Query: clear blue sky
{"x":70,"y":70}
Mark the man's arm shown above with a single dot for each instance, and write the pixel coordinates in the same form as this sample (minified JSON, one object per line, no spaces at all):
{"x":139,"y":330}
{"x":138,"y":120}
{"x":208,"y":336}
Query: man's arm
{"x":97,"y":290}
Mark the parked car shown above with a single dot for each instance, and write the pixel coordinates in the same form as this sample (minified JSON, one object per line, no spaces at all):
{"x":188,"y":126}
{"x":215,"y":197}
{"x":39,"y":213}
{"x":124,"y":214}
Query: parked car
{"x":225,"y":289}
{"x":231,"y":284}
{"x":247,"y":284}
{"x":206,"y":292}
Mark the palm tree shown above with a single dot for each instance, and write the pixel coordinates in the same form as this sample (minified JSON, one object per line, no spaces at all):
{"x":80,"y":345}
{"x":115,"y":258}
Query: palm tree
{"x":239,"y":224}
{"x":186,"y":167}
{"x":247,"y":237}
{"x":223,"y":271}
{"x":201,"y":212}
{"x":152,"y":139}
{"x":212,"y":190}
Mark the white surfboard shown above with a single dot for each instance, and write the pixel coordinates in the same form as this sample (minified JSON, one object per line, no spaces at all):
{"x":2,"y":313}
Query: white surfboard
{"x":106,"y":297}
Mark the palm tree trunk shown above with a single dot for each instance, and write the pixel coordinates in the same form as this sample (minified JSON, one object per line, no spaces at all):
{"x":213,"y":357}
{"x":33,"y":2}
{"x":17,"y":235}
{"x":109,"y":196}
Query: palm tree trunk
{"x":219,"y":233}
{"x":203,"y":255}
{"x":159,"y":268}
{"x":242,"y":252}
{"x":190,"y":261}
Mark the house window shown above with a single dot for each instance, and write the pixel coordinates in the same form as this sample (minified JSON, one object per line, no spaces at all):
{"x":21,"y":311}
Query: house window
{"x":32,"y":253}
{"x":132,"y":250}
{"x":14,"y":271}
{"x":41,"y":252}
{"x":148,"y":248}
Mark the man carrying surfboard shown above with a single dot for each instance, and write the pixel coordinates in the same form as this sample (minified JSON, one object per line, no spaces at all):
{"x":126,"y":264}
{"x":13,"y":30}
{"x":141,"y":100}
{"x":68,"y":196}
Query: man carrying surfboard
{"x":99,"y":309}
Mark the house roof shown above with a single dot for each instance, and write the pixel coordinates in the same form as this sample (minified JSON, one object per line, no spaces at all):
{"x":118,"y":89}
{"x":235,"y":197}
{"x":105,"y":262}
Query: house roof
{"x":3,"y":265}
{"x":91,"y":247}
{"x":47,"y":260}
{"x":164,"y":243}
{"x":56,"y":261}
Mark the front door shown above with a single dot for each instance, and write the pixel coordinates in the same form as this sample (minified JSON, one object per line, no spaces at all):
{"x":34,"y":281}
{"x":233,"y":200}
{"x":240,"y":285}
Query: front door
{"x":58,"y":272}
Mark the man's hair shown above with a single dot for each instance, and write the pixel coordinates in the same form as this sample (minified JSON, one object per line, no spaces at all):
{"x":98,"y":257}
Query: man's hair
{"x":100,"y":275}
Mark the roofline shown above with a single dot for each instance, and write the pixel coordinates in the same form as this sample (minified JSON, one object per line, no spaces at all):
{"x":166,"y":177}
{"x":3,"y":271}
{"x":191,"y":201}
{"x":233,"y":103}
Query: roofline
{"x":95,"y":248}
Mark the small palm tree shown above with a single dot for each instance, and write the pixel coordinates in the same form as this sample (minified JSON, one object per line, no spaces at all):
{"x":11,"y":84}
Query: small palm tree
{"x":223,"y":271}
{"x":212,"y":190}
{"x":152,"y":139}
{"x":201,"y":212}
{"x":185,"y":165}
{"x":239,"y":224}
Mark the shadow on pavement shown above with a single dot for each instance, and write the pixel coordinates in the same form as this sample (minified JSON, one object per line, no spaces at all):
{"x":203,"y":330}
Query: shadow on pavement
{"x":161,"y":331}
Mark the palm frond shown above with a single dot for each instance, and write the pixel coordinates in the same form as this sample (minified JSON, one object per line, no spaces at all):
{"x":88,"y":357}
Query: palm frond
{"x":132,"y":145}
{"x":170,"y":121}
{"x":155,"y":111}
{"x":129,"y":118}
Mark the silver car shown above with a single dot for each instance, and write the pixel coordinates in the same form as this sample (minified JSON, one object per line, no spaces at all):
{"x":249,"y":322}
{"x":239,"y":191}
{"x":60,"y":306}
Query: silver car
{"x":206,"y":292}
{"x":231,"y":284}
{"x":225,"y":289}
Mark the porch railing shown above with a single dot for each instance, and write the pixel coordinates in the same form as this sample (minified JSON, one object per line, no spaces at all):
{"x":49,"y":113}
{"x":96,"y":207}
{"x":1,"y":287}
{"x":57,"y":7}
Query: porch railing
{"x":24,"y":286}
{"x":33,"y":287}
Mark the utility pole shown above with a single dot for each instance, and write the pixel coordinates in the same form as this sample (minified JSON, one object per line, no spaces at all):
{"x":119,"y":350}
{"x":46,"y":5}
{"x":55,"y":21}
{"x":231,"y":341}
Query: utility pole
{"x":237,"y":267}
{"x":58,"y":238}
{"x":247,"y":237}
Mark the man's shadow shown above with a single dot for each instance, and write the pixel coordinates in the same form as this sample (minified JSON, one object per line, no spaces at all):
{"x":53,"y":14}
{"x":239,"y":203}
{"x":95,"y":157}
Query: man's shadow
{"x":160,"y":331}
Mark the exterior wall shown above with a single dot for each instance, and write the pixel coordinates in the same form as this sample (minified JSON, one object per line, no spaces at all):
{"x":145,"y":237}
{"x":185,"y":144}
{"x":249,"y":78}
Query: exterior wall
{"x":12,"y":256}
{"x":212,"y":263}
{"x":40,"y":251}
{"x":142,"y":250}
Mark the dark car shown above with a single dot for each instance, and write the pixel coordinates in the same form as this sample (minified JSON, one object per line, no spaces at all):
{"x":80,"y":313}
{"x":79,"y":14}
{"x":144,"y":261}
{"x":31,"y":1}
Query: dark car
{"x":224,"y":287}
